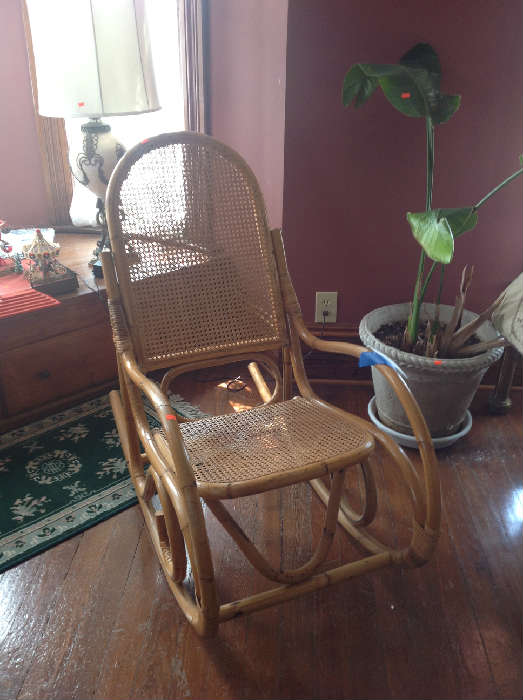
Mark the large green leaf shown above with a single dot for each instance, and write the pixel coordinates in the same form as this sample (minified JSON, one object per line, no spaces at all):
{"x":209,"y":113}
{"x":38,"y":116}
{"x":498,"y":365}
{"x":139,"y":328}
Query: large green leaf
{"x":459,"y":220}
{"x":412,"y":86}
{"x":433,"y":234}
{"x":445,"y":107}
{"x":404,"y":88}
{"x":358,"y":85}
{"x":424,"y":56}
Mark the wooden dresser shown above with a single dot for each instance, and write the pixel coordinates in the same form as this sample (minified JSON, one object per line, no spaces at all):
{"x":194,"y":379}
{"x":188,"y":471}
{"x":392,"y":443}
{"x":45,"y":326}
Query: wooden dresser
{"x":58,"y":356}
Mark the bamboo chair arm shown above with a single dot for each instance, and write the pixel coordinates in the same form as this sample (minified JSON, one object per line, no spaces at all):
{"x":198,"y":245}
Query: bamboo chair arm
{"x":164,"y":411}
{"x":410,"y":406}
{"x":397,"y":382}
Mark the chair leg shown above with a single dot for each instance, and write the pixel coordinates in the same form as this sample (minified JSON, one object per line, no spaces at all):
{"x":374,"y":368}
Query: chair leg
{"x":370,"y":543}
{"x":423,"y":538}
{"x":175,"y":531}
{"x":287,"y":374}
{"x":177,"y":527}
{"x":499,"y":400}
{"x":128,"y":439}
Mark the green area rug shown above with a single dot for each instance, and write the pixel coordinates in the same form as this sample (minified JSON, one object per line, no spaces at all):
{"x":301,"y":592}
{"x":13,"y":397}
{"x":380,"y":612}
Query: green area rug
{"x":61,"y":475}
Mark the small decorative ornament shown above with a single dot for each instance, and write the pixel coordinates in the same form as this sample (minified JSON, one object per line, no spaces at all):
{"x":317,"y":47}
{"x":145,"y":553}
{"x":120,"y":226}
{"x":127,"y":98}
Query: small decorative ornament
{"x":7,"y":262}
{"x":42,"y":255}
{"x":45,"y":272}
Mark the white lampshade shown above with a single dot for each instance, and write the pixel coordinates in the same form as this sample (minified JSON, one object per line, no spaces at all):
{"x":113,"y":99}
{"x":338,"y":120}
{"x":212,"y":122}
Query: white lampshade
{"x":93,"y":57}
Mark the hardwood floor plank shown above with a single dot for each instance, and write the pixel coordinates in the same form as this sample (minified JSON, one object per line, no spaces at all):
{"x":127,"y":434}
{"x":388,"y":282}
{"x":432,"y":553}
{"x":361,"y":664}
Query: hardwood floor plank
{"x":397,"y":628}
{"x":29,"y":593}
{"x":230,"y":671}
{"x":491,"y":497}
{"x":78,"y":631}
{"x":123,"y":654}
{"x":497,"y":625}
{"x":160,"y":671}
{"x":474,"y":676}
{"x":263,"y":635}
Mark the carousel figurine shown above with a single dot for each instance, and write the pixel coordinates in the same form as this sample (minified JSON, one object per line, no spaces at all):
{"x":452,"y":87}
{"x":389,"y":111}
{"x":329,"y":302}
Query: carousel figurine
{"x":42,"y":258}
{"x":45,"y":273}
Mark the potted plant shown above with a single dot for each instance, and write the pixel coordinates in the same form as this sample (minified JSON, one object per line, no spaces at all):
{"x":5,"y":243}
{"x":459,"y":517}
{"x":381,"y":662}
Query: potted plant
{"x":444,"y":351}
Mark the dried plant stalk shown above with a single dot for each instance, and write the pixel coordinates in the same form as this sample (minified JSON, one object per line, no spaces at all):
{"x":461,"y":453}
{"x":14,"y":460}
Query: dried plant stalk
{"x":460,"y":337}
{"x":466,"y":279}
{"x":477,"y":348}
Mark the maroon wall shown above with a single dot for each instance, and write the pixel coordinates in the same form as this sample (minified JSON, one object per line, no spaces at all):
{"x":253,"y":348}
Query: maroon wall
{"x":350,"y":175}
{"x":247,"y":42}
{"x":23,"y":200}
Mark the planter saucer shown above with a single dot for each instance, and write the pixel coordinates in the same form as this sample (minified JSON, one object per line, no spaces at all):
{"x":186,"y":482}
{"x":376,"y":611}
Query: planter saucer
{"x":410,"y":440}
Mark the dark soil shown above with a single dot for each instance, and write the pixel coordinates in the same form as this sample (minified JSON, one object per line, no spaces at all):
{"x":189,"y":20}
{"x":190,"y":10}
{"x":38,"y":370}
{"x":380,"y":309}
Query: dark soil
{"x":392,"y":334}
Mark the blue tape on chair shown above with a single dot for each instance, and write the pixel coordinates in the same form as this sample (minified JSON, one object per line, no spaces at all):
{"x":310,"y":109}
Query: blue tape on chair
{"x":375,"y":358}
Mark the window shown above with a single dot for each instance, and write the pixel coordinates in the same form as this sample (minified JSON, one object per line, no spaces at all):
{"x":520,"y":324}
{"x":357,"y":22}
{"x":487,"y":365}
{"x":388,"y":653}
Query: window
{"x":177,"y":30}
{"x":162,"y":18}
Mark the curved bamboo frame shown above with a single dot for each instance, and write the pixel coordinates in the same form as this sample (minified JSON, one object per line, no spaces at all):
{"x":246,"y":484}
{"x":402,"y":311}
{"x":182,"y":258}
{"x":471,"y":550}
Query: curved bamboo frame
{"x":259,"y":562}
{"x":178,"y":529}
{"x":425,"y":494}
{"x":370,"y":499}
{"x":255,"y":359}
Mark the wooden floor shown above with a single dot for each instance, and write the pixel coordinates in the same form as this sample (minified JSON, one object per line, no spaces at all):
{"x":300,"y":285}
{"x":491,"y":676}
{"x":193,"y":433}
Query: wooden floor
{"x":93,"y":617}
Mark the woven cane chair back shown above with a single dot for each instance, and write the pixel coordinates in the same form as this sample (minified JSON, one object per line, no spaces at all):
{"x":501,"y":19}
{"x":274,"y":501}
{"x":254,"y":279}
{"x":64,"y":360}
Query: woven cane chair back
{"x":193,"y":252}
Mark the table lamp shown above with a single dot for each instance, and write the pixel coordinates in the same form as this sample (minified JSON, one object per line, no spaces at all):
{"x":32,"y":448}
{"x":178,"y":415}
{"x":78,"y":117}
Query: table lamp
{"x":93,"y":59}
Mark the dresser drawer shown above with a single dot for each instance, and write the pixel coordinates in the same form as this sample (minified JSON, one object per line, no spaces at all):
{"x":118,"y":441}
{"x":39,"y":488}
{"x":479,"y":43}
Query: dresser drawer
{"x":35,"y":374}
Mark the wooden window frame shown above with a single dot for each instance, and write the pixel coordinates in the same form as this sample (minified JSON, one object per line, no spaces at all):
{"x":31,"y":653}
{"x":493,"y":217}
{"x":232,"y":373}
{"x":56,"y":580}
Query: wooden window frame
{"x":52,"y":138}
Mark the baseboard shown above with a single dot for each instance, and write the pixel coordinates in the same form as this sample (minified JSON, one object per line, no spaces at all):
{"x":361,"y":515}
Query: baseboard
{"x":322,"y":367}
{"x":340,"y":369}
{"x":15,"y":421}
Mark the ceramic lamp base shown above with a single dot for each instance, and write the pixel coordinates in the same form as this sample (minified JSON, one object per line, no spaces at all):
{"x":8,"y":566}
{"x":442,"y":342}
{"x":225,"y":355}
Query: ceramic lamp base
{"x":93,"y":156}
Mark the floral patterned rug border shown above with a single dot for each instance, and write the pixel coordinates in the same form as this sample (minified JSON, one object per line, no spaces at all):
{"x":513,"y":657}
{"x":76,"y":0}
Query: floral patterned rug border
{"x":35,"y":513}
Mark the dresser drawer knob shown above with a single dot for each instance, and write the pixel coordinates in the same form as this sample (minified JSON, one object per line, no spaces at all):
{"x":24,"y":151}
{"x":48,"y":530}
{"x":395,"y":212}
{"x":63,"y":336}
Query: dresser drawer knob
{"x":44,"y":374}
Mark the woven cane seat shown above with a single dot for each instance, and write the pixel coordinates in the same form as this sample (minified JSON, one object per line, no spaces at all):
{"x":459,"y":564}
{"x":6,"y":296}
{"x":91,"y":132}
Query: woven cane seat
{"x":269,"y":440}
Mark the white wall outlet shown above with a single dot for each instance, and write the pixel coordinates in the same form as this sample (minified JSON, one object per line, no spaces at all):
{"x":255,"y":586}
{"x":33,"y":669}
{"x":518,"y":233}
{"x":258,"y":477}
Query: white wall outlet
{"x":326,"y":307}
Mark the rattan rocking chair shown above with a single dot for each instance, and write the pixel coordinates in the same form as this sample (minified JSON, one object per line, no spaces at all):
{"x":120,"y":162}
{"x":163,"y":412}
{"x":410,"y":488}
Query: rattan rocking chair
{"x":195,"y":279}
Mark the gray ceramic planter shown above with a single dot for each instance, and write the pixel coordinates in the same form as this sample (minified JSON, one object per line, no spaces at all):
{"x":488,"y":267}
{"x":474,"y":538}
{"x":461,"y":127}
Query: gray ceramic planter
{"x":443,"y":391}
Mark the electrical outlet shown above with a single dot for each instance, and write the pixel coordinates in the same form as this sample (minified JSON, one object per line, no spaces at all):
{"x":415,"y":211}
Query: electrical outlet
{"x":326,"y":302}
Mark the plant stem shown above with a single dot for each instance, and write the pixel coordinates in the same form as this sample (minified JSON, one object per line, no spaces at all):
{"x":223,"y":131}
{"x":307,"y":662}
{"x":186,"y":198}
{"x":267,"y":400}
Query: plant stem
{"x":441,"y":276}
{"x":419,"y":290}
{"x":496,"y":189}
{"x":421,"y":270}
{"x":427,"y":280}
{"x":429,"y":130}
